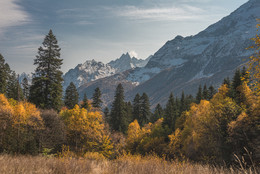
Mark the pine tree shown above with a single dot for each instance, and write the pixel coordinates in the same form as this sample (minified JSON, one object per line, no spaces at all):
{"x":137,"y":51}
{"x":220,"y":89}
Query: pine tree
{"x":25,"y":87}
{"x":119,"y":121}
{"x":145,"y":110}
{"x":71,"y":96}
{"x":4,"y":73}
{"x":97,"y":98}
{"x":129,"y":111}
{"x":212,"y":92}
{"x":158,"y":113}
{"x":236,"y":82}
{"x":170,"y":113}
{"x":85,"y":103}
{"x":137,"y":107}
{"x":106,"y":114}
{"x":227,"y":82}
{"x":46,"y":89}
{"x":14,"y":89}
{"x":199,"y":95}
{"x":205,"y":92}
{"x":183,"y":103}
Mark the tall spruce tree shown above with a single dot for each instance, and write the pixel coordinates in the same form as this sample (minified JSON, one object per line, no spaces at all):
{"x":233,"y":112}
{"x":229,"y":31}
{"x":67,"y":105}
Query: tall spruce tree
{"x":96,"y":99}
{"x":137,"y":107}
{"x":4,"y":74}
{"x":236,"y":82}
{"x":85,"y":103}
{"x":212,"y":92}
{"x":25,"y":87}
{"x":14,"y":89}
{"x":46,"y":89}
{"x":170,"y":113}
{"x":106,"y":114}
{"x":205,"y":93}
{"x":119,"y":120}
{"x":158,"y":113}
{"x":145,"y":110}
{"x":199,"y":95}
{"x":71,"y":96}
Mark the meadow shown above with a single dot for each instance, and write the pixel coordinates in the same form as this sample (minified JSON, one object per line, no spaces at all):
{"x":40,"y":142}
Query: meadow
{"x":95,"y":165}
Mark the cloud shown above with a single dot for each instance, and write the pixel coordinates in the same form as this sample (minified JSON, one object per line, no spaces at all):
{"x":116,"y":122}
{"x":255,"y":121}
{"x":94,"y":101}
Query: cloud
{"x":133,"y":54}
{"x":171,"y":13}
{"x":12,"y":15}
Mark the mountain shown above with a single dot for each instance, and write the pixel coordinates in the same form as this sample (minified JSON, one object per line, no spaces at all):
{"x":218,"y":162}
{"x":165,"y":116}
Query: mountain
{"x":206,"y":58}
{"x":92,"y":70}
{"x":126,"y":62}
{"x":24,"y":75}
{"x":89,"y":71}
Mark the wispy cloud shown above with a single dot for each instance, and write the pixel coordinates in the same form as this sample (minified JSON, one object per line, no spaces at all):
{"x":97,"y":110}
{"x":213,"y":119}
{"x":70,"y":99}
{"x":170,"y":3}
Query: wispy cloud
{"x":77,"y":15}
{"x":12,"y":15}
{"x":173,"y":13}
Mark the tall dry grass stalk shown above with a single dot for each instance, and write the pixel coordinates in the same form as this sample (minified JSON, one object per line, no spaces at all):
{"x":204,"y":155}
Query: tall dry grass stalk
{"x":123,"y":165}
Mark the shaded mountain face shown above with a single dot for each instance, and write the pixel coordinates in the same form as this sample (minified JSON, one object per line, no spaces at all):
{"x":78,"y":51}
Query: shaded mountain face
{"x":208,"y":57}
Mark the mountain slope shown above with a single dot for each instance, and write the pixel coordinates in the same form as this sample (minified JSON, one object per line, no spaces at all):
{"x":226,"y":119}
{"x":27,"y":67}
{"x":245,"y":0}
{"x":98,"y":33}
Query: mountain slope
{"x":207,"y":57}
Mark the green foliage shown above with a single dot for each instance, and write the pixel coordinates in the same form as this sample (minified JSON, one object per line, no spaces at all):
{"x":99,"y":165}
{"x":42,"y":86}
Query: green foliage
{"x":46,"y":89}
{"x":4,"y":74}
{"x":71,"y":96}
{"x":119,"y":120}
{"x":145,"y":109}
{"x":25,"y":88}
{"x":158,"y":113}
{"x":96,"y":99}
{"x":85,"y":104}
{"x":14,"y":89}
{"x":171,"y":113}
{"x":199,"y":95}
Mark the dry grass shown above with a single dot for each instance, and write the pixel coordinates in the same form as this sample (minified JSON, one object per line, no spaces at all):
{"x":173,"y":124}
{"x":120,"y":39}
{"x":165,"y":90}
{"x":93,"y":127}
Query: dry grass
{"x":123,"y":165}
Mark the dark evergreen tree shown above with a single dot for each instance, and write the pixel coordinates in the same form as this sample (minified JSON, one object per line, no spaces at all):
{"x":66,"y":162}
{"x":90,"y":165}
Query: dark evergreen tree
{"x":14,"y":89}
{"x":85,"y":103}
{"x":71,"y":96}
{"x":46,"y":89}
{"x":4,"y":74}
{"x":183,"y":102}
{"x":137,"y":107}
{"x":236,"y":82}
{"x":227,"y":82}
{"x":119,"y":120}
{"x":158,"y":113}
{"x":129,"y":111}
{"x":145,"y":110}
{"x":170,"y":113}
{"x":199,"y":95}
{"x":106,"y":114}
{"x":25,"y":87}
{"x":212,"y":92}
{"x":96,"y":99}
{"x":205,"y":92}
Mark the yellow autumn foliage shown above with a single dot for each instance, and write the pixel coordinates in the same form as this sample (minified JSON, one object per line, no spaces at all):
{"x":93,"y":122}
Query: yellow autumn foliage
{"x":86,"y":131}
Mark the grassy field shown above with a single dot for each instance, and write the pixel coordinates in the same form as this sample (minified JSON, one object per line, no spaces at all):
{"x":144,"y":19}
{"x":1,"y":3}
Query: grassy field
{"x":123,"y":165}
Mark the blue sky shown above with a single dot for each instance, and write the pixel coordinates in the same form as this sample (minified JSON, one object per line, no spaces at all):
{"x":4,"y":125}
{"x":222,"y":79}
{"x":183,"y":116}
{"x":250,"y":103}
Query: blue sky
{"x":101,"y":29}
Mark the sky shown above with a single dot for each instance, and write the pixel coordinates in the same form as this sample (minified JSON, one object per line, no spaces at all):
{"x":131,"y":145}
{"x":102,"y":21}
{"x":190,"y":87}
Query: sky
{"x":101,"y":29}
